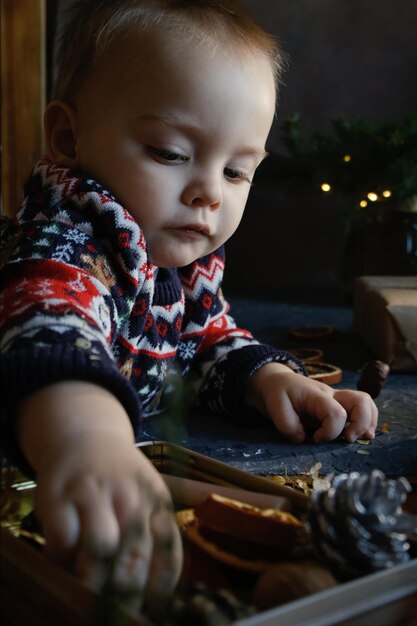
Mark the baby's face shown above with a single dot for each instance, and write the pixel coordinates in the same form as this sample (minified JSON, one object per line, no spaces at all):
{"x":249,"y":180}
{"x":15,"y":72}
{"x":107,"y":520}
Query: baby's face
{"x":176,"y":133}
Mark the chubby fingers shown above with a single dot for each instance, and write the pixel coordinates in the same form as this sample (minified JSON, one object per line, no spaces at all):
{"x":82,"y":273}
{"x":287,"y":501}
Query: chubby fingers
{"x":351,"y":412}
{"x":330,"y":414}
{"x":60,"y":527}
{"x":149,"y":559}
{"x":286,"y":419}
{"x":333,"y":412}
{"x":124,"y":536}
{"x":103,"y":524}
{"x":362,"y":414}
{"x":166,"y":562}
{"x":144,"y":565}
{"x":305,"y":403}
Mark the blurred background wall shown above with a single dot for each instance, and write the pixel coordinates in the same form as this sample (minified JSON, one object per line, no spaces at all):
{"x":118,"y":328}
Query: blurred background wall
{"x":346,"y":58}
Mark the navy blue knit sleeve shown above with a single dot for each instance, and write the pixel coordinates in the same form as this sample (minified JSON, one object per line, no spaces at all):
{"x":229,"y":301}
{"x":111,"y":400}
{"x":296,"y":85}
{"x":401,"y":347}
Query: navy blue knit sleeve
{"x":224,"y":386}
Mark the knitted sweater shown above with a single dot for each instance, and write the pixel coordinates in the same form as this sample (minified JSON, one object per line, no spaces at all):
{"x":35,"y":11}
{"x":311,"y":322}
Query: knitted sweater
{"x":81,"y":300}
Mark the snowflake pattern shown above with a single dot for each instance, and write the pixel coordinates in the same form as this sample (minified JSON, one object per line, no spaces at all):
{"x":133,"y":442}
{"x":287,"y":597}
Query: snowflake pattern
{"x":75,"y":235}
{"x":77,"y":284}
{"x":63,"y":252}
{"x":43,"y":288}
{"x":186,"y":350}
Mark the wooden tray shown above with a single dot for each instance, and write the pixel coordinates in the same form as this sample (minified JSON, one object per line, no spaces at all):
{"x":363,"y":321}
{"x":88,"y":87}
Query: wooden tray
{"x":37,"y":593}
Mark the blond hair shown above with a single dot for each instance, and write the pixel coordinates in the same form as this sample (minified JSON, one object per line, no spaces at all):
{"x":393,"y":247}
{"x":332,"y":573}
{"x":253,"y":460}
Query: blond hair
{"x":92,"y":26}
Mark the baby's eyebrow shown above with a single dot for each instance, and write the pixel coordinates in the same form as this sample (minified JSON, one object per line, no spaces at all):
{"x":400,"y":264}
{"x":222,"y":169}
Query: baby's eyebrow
{"x":171,"y":119}
{"x":260,"y":154}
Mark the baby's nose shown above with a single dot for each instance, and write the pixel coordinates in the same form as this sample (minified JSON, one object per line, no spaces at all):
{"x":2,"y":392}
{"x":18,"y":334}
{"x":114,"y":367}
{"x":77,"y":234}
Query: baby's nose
{"x":204,"y":193}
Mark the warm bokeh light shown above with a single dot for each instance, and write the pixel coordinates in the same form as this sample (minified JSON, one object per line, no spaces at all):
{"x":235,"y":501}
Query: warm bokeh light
{"x":373,"y":197}
{"x":347,"y":158}
{"x":387,"y":193}
{"x":325,"y":187}
{"x":363,"y":203}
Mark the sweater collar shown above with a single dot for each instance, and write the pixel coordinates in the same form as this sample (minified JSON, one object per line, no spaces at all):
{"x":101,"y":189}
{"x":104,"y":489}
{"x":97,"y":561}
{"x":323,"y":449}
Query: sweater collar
{"x":64,"y":195}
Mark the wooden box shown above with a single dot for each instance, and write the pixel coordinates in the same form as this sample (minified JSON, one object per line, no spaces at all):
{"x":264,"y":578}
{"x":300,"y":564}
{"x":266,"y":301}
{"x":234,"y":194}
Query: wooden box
{"x":37,"y":593}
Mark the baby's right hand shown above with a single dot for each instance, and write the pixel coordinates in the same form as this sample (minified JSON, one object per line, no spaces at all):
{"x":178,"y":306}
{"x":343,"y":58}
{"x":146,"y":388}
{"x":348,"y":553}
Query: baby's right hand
{"x":103,"y":501}
{"x":104,"y":510}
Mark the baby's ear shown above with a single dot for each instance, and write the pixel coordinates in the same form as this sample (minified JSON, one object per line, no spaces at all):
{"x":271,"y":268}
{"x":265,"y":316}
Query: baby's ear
{"x":60,"y":124}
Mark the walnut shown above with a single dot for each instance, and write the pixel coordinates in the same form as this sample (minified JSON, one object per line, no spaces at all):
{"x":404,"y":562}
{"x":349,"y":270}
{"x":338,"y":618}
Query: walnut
{"x":372,"y":377}
{"x":290,"y":580}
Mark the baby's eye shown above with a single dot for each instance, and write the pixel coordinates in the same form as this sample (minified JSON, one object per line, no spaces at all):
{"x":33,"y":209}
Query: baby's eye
{"x":167,"y":155}
{"x":236,"y":175}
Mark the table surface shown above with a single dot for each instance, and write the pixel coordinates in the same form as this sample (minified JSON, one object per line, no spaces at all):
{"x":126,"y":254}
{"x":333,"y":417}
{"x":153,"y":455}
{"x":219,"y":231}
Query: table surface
{"x":260,"y":449}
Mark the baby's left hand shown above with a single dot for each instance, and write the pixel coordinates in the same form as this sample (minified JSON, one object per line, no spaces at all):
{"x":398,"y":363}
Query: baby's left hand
{"x":291,"y":400}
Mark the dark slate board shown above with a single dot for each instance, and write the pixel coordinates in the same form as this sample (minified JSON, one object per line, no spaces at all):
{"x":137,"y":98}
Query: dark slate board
{"x":259,"y":449}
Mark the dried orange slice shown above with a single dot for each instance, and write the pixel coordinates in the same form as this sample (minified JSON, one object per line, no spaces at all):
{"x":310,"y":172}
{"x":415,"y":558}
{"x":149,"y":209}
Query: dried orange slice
{"x":324,"y":372}
{"x":312,"y":333}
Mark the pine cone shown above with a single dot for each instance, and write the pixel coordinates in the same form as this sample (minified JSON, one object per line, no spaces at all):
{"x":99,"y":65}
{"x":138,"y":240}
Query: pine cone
{"x":203,"y":607}
{"x":358,"y":525}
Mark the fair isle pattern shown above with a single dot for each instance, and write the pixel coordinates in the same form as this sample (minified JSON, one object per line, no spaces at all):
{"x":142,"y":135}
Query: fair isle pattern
{"x":75,"y":191}
{"x":67,"y":199}
{"x":203,"y":276}
{"x":81,"y":301}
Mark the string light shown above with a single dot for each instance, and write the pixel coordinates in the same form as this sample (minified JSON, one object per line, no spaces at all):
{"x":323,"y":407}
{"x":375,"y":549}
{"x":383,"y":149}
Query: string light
{"x":347,"y":158}
{"x":363,"y":203}
{"x":387,"y":193}
{"x":325,"y":187}
{"x":373,"y":197}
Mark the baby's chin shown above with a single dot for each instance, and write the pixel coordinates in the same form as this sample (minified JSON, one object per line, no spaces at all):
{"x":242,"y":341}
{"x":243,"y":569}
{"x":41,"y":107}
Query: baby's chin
{"x":180,"y":257}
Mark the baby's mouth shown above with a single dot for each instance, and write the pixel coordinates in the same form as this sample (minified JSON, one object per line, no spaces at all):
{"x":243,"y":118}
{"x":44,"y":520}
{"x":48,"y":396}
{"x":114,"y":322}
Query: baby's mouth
{"x":195,"y":229}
